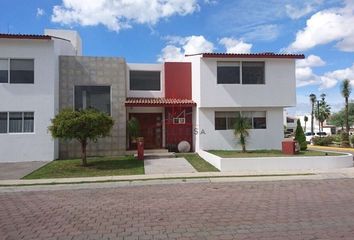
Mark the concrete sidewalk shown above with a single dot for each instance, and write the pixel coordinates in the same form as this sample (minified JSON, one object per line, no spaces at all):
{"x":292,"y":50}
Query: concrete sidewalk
{"x":187,"y":177}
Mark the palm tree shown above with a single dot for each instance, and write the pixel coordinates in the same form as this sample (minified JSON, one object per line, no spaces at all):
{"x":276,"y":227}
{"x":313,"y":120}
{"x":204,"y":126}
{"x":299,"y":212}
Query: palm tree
{"x":346,"y":90}
{"x":305,"y":120}
{"x":241,"y":127}
{"x":323,"y":110}
{"x":313,"y":101}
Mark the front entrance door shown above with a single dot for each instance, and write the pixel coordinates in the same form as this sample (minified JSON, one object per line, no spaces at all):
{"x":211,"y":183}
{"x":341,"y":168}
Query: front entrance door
{"x":150,"y":129}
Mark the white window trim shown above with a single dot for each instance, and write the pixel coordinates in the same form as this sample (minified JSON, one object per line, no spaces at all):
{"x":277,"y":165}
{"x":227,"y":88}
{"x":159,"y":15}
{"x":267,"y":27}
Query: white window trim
{"x":9,"y":70}
{"x":19,"y":133}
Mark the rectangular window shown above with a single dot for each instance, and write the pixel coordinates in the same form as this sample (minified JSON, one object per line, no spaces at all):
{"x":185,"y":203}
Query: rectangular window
{"x":253,"y":73}
{"x":145,"y":80}
{"x":21,"y":71}
{"x":179,"y":120}
{"x":4,"y":70}
{"x":228,"y":73}
{"x":3,"y":122}
{"x":95,"y":97}
{"x":225,"y":120}
{"x":28,"y":122}
{"x":15,"y":122}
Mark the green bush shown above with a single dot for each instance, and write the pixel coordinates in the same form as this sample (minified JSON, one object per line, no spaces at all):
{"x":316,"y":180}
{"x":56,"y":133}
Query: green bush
{"x":323,"y":141}
{"x":300,"y":136}
{"x":337,"y":138}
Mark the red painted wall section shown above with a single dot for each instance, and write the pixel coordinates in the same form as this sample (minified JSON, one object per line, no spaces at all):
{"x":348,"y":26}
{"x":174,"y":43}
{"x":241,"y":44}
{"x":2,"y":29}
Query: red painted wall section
{"x":176,"y":133}
{"x":178,"y":80}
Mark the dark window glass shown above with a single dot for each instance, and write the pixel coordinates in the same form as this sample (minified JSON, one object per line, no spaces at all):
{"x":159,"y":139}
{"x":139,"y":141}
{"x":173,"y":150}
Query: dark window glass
{"x":28,"y":122}
{"x":145,"y":80}
{"x":3,"y":122}
{"x":259,"y":123}
{"x":253,"y":73}
{"x":290,"y":120}
{"x":15,"y":124}
{"x":228,"y":75}
{"x":220,"y":123}
{"x":96,"y":97}
{"x":21,"y":71}
{"x":4,"y":70}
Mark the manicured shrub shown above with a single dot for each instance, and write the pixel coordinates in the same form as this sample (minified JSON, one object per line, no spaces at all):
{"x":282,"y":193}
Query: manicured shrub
{"x":323,"y":141}
{"x":300,"y":136}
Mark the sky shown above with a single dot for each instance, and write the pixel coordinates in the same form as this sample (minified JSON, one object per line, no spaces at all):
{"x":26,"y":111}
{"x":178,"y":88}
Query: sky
{"x":149,"y":31}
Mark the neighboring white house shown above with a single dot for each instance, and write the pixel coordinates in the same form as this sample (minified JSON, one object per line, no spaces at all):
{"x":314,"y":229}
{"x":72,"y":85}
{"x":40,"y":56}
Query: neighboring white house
{"x":29,"y":81}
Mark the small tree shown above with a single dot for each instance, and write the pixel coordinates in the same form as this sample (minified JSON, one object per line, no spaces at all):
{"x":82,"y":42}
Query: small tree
{"x":345,"y":91}
{"x":300,"y":136}
{"x":241,"y":127}
{"x":81,"y":125}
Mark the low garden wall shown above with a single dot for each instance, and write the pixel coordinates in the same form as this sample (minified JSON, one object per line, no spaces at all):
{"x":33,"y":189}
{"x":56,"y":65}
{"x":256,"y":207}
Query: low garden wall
{"x":267,"y":164}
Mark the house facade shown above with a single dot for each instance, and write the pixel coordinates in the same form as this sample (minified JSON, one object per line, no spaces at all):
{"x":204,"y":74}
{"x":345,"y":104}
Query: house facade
{"x":196,"y":100}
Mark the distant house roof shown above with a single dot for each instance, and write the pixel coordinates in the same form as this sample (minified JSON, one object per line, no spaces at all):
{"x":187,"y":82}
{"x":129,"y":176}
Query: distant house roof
{"x":158,"y":102}
{"x":25,"y":36}
{"x":249,"y":55}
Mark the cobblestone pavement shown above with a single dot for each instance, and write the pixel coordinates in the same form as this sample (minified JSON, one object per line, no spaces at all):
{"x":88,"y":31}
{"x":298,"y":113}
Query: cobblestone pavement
{"x":304,"y":209}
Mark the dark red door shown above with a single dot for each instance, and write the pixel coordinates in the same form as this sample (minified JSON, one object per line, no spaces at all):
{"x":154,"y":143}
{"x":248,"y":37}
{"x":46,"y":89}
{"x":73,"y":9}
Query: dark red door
{"x":150,"y":128}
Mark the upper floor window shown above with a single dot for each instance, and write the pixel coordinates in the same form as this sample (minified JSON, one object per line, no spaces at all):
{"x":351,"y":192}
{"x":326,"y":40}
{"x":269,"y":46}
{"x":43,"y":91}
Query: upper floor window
{"x":252,"y":72}
{"x":145,"y":80}
{"x":240,"y":72}
{"x":95,"y":97}
{"x":17,"y":71}
{"x":228,"y":72}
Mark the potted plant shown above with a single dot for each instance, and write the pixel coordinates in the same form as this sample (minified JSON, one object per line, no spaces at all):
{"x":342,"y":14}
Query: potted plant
{"x":133,"y":128}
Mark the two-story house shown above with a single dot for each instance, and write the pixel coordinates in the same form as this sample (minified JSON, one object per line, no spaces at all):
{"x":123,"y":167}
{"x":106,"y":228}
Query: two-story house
{"x":196,"y":100}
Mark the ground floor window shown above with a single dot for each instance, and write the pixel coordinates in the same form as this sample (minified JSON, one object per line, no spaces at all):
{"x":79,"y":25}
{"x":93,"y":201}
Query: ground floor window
{"x":95,"y":97}
{"x":226,"y":120}
{"x":16,"y":122}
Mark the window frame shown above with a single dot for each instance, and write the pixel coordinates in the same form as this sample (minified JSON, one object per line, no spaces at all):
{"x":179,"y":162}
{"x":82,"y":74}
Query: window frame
{"x":251,"y":116}
{"x":101,"y":85}
{"x":231,"y":64}
{"x":146,"y":70}
{"x":8,"y":59}
{"x":241,"y":77}
{"x":22,"y":123}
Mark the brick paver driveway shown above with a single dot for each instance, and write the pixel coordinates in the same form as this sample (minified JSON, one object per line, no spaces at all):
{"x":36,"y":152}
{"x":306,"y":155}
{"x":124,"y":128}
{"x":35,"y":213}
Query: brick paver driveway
{"x":244,"y":210}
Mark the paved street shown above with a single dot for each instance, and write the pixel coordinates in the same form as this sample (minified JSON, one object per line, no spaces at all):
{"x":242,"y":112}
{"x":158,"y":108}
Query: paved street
{"x":303,"y":209}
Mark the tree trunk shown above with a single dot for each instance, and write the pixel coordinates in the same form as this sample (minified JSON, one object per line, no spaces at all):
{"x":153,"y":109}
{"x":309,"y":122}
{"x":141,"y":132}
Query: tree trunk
{"x":243,"y":143}
{"x":347,"y":115}
{"x":312,"y":118}
{"x":83,"y":152}
{"x":305,"y":127}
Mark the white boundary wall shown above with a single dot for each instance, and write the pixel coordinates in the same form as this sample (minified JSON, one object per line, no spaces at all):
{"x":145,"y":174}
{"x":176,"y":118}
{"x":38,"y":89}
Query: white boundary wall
{"x":266,"y":164}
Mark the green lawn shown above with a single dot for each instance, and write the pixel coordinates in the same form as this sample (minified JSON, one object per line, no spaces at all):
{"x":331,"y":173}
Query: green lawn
{"x":197,"y":162}
{"x":267,"y":153}
{"x":98,"y":166}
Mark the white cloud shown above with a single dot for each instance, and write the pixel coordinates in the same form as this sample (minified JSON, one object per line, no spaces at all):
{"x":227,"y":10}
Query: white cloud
{"x":118,"y":14}
{"x":310,"y":61}
{"x":330,"y":79}
{"x":40,"y":12}
{"x":333,"y":25}
{"x":179,"y":46}
{"x":304,"y":73}
{"x":296,"y":12}
{"x":233,"y":45}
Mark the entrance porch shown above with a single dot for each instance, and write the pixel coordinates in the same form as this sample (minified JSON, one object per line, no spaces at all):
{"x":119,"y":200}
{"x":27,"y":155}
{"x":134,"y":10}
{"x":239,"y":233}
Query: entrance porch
{"x":163,"y":123}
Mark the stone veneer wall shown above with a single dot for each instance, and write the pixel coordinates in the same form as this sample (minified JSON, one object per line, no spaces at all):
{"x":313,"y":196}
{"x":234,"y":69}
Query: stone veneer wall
{"x":90,"y":71}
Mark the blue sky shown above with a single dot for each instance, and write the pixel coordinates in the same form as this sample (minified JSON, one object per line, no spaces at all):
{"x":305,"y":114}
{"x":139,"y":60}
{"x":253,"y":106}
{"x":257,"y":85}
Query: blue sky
{"x":155,"y":30}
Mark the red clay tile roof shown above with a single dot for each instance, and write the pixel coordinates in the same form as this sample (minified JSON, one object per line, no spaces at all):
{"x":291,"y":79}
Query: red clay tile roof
{"x":158,"y":102}
{"x":25,"y":36}
{"x":250,"y":55}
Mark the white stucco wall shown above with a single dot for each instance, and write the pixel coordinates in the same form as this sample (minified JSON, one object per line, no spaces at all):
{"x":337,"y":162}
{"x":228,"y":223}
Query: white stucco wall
{"x":40,"y":98}
{"x":146,"y":67}
{"x":269,"y":138}
{"x":278,"y":90}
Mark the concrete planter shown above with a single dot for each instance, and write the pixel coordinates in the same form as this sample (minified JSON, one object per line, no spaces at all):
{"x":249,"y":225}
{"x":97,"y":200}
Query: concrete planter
{"x":267,"y":164}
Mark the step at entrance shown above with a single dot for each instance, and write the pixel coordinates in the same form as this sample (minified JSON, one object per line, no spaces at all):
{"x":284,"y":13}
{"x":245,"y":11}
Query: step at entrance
{"x":147,"y":151}
{"x":158,"y":155}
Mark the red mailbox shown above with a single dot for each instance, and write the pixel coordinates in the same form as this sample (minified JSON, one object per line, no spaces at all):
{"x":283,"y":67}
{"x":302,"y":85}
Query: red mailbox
{"x":140,"y":146}
{"x":289,"y":146}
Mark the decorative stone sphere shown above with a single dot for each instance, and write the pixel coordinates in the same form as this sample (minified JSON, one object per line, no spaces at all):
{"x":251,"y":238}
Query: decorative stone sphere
{"x":184,"y":146}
